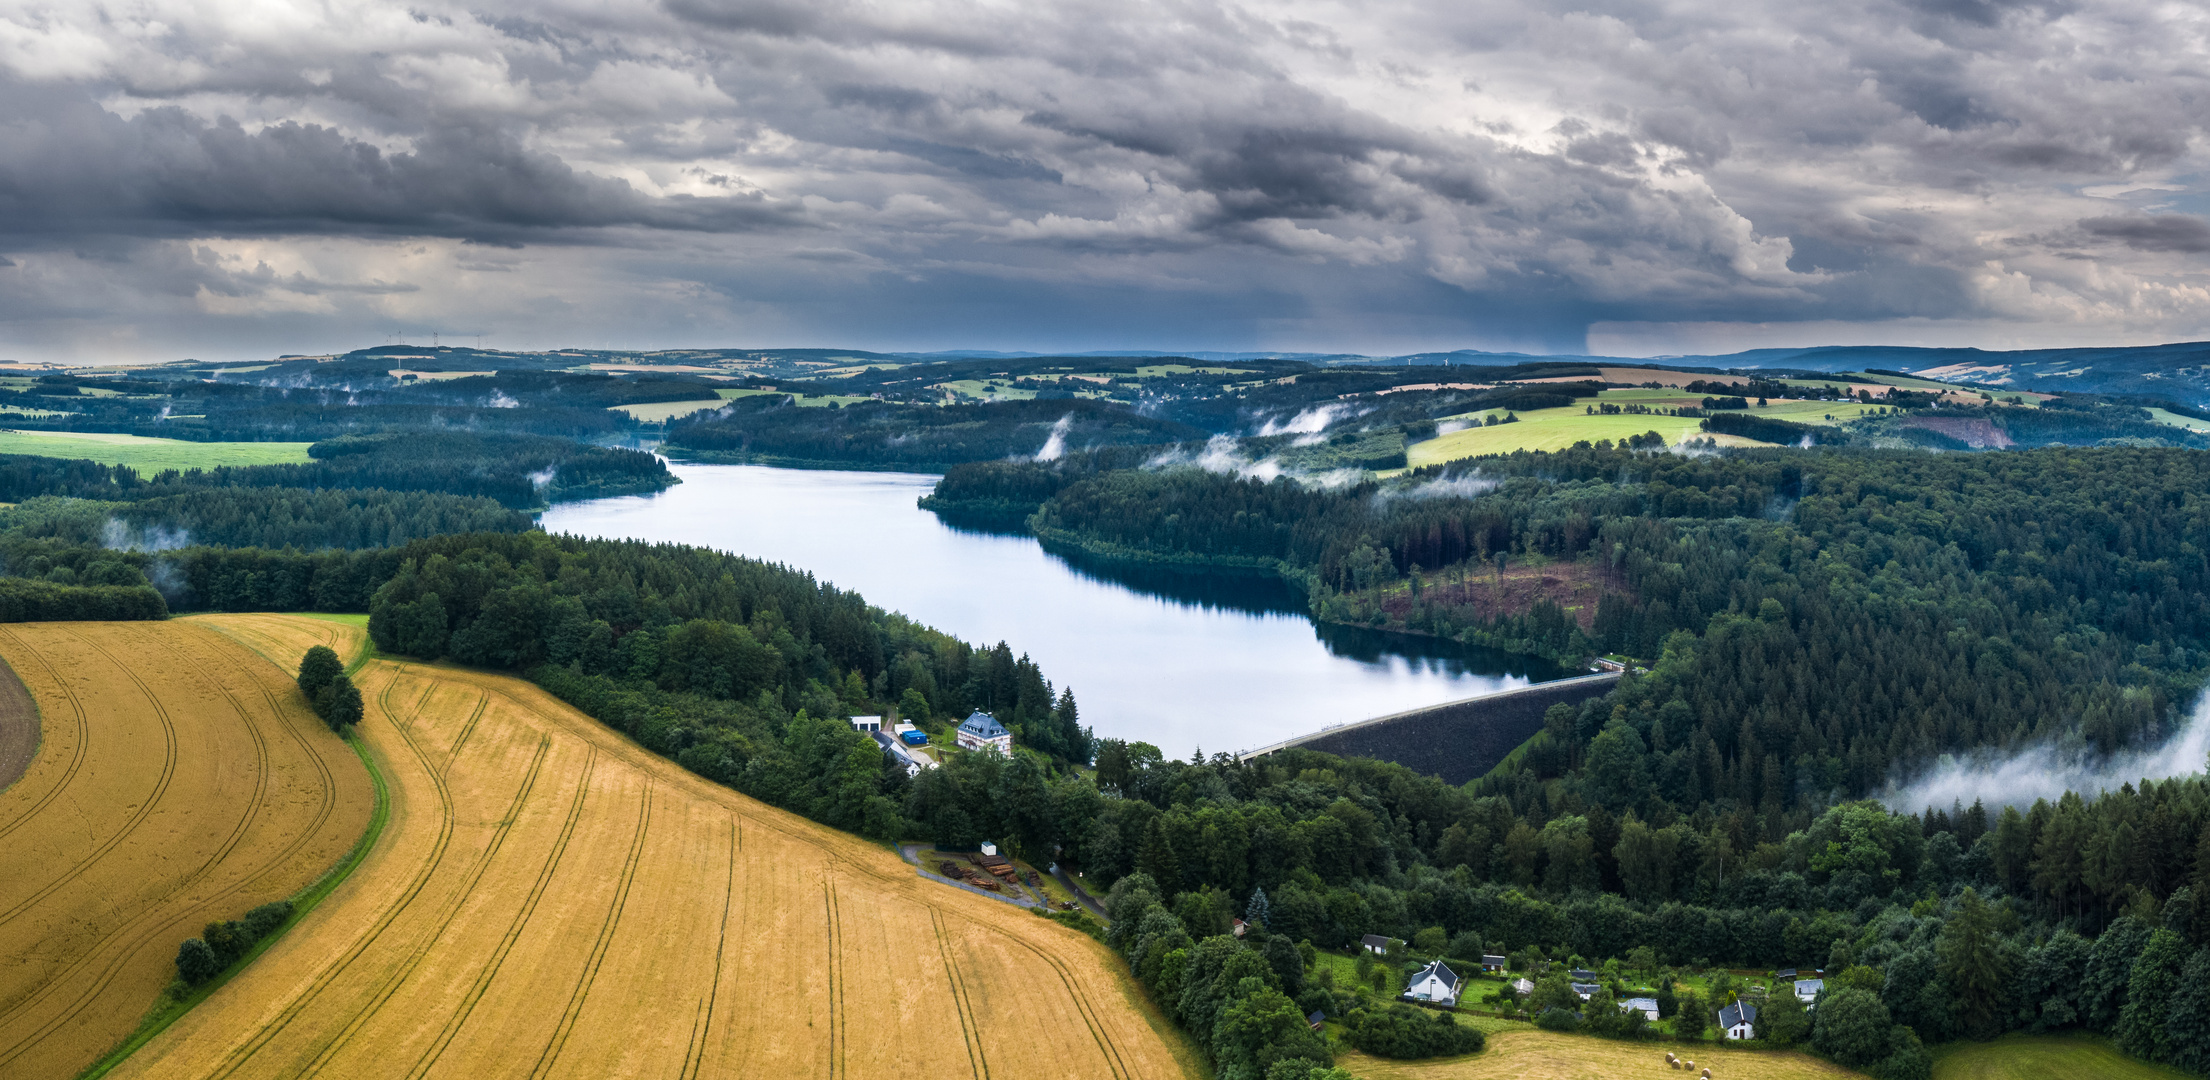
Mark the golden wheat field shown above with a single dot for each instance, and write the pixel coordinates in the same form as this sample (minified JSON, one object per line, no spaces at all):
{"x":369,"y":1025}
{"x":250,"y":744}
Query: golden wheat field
{"x":178,"y":779}
{"x":549,"y":900}
{"x":1544,"y":1055}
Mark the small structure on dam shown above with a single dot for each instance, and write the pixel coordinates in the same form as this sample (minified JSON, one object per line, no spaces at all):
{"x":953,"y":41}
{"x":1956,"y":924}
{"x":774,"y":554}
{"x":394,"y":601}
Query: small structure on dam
{"x":1457,"y":740}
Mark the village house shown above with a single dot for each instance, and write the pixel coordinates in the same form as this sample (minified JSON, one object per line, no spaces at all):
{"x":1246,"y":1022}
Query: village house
{"x":1494,"y":965}
{"x":1374,"y":943}
{"x":1739,"y":1020}
{"x":1807,"y":990}
{"x":1435,"y":984}
{"x":1587,"y":990}
{"x":982,"y":731}
{"x":1317,"y":1019}
{"x":871,"y":725}
{"x":1646,"y":1006}
{"x":1523,"y":986}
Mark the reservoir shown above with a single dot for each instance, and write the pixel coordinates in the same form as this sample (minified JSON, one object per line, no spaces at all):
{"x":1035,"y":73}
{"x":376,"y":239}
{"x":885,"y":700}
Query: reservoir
{"x":1179,"y":661}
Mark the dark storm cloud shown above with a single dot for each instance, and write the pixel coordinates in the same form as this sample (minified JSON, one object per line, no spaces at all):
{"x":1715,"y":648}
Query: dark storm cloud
{"x":2183,"y":233}
{"x":68,"y":166}
{"x":1513,"y":169}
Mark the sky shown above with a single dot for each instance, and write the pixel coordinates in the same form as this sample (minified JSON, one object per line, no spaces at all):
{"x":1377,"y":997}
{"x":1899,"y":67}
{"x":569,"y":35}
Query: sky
{"x":232,"y":179}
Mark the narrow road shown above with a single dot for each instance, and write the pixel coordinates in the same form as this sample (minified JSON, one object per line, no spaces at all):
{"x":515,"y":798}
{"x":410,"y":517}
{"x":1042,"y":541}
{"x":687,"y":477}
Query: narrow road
{"x":1081,"y":895}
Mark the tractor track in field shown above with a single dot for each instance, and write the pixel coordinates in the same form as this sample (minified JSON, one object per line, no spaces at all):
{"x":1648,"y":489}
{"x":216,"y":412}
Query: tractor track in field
{"x":145,"y":809}
{"x":694,"y":1056}
{"x":77,"y":753}
{"x":269,"y":1030}
{"x":1087,"y":1009}
{"x":490,"y":970}
{"x":460,"y":895}
{"x":152,"y":922}
{"x":969,"y":1026}
{"x":837,"y":1011}
{"x":590,"y":974}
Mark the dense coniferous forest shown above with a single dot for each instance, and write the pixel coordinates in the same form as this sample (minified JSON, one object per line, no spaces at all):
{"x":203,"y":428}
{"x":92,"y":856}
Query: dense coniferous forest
{"x":772,"y":429}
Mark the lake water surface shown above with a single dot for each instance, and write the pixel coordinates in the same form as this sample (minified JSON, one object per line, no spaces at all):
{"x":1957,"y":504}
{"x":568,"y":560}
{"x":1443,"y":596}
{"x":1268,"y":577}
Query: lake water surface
{"x":1178,"y":661}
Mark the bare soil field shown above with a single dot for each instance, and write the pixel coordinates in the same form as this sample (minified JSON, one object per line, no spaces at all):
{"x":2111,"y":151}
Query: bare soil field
{"x":1544,"y":1055}
{"x":549,"y":900}
{"x":18,"y":728}
{"x":179,"y":780}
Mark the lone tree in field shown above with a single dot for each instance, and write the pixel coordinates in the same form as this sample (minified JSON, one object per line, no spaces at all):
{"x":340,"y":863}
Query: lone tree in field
{"x":317,"y":668}
{"x":339,"y":702}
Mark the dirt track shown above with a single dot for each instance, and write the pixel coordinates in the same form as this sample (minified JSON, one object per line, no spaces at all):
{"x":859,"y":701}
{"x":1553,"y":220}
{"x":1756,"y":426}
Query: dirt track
{"x":548,"y":900}
{"x":179,"y":780}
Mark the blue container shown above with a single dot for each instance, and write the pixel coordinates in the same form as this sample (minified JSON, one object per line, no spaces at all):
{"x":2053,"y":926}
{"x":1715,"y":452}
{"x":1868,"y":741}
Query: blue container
{"x":915,"y":738}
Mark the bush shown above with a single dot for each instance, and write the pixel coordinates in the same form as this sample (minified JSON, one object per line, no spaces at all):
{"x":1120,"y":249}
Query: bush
{"x":1557,"y":1019}
{"x":224,"y":943}
{"x":1401,"y":1031}
{"x":339,"y":704}
{"x":317,"y":668}
{"x":196,"y":962}
{"x":1852,"y":1027}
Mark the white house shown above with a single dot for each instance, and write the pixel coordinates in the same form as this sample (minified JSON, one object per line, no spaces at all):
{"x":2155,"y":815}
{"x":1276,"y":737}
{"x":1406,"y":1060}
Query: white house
{"x":1374,"y":943}
{"x":1739,"y":1020}
{"x":1435,"y":983}
{"x":982,"y":731}
{"x":869,"y":724}
{"x":1808,"y":989}
{"x":1646,"y":1006}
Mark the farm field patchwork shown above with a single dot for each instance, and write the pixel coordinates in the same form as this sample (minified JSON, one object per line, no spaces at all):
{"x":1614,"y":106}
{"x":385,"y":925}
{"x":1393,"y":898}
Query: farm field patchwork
{"x":1544,"y":1055}
{"x":179,"y":780}
{"x":550,"y":900}
{"x":2043,"y":1057}
{"x":1557,"y":429}
{"x":150,"y":455}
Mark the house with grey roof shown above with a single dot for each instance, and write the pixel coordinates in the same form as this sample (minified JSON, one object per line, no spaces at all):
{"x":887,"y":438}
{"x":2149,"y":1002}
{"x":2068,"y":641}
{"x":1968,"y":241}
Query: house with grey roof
{"x":1435,"y":984}
{"x":982,"y":731}
{"x":1739,"y":1020}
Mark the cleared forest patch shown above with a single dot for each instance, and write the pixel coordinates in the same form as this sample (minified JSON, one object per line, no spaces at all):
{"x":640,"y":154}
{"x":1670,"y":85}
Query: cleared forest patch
{"x":549,"y":900}
{"x":179,"y":780}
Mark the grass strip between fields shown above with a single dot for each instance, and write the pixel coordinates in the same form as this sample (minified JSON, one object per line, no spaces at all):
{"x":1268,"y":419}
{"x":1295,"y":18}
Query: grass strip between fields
{"x":168,"y":1011}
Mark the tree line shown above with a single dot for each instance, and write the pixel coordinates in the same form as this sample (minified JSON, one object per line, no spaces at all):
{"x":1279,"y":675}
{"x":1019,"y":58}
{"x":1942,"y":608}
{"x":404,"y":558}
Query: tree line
{"x":773,"y":429}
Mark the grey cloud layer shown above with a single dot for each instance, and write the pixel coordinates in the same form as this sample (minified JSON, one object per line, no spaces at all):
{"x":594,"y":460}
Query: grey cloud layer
{"x":1484,"y":172}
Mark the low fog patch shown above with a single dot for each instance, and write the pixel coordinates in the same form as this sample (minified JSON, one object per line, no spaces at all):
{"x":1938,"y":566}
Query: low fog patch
{"x":1055,"y":447}
{"x":118,"y":535}
{"x":2047,"y":772}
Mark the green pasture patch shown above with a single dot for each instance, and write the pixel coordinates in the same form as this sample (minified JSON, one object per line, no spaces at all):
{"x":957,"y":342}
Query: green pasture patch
{"x":803,"y":400}
{"x":2043,"y":1057}
{"x":660,"y":412}
{"x":150,"y":455}
{"x":2166,"y":416}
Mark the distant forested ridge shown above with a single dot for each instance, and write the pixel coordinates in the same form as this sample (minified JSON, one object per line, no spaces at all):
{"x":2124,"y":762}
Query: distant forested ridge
{"x":771,"y":429}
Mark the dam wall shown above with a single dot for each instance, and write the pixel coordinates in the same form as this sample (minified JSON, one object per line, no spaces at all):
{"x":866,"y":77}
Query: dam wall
{"x":1457,"y":740}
